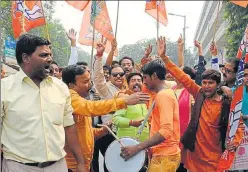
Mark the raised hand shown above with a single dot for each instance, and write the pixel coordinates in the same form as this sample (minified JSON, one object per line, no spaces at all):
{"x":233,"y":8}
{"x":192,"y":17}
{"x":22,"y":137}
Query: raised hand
{"x":100,"y":48}
{"x":213,"y":49}
{"x":197,"y":44}
{"x":148,"y":50}
{"x":161,"y":47}
{"x":180,"y":43}
{"x":113,"y":45}
{"x":72,"y":37}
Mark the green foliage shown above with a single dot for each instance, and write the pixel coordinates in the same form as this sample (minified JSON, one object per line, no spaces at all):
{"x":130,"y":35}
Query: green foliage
{"x":238,"y":19}
{"x":136,"y":51}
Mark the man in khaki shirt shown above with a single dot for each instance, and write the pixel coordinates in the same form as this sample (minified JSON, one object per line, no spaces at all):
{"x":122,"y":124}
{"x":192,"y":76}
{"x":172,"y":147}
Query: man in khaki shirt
{"x":36,"y":113}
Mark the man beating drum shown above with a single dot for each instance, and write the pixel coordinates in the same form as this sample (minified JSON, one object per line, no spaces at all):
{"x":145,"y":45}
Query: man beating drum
{"x":165,"y":132}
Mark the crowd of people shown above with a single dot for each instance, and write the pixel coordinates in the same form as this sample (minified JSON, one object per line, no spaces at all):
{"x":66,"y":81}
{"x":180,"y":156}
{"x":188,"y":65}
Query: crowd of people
{"x":50,"y":114}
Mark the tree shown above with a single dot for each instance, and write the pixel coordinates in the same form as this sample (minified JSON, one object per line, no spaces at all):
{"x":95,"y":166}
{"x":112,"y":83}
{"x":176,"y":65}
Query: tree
{"x":136,"y":51}
{"x":57,"y":33}
{"x":238,"y":19}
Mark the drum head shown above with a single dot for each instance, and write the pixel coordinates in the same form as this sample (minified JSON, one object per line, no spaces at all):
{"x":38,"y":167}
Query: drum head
{"x":115,"y":163}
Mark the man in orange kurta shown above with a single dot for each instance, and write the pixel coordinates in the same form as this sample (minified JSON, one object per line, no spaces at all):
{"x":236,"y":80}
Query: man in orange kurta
{"x":164,"y":132}
{"x":208,"y":144}
{"x":78,"y":80}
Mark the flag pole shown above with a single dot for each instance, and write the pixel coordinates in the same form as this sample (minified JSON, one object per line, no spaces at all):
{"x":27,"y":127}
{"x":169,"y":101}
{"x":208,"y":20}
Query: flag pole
{"x":46,"y":25}
{"x":23,"y":17}
{"x":93,"y":38}
{"x":117,"y":18}
{"x":157,"y":21}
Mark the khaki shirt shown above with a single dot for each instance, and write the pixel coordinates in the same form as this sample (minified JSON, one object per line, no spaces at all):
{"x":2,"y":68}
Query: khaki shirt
{"x":34,"y":118}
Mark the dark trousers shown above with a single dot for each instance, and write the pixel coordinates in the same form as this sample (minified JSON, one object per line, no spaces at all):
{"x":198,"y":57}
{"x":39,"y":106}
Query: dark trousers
{"x":101,"y":145}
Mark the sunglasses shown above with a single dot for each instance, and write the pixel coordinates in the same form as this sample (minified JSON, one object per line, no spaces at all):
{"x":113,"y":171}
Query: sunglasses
{"x":121,"y":74}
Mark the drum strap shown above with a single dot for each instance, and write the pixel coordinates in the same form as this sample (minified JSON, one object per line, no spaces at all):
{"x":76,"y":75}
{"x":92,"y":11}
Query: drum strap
{"x":141,"y":128}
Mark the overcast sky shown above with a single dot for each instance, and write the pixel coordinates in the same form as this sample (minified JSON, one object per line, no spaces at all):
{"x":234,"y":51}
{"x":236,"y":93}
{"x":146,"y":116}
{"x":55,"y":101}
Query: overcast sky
{"x":134,"y":24}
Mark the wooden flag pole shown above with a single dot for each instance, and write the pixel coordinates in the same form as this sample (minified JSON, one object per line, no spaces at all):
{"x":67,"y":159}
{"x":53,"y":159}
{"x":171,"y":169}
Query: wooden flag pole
{"x":93,"y":38}
{"x":23,"y":17}
{"x":157,"y":22}
{"x":117,"y":18}
{"x":46,"y":25}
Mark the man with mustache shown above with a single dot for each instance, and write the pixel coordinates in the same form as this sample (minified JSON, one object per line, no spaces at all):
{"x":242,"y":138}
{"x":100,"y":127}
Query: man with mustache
{"x":36,"y":113}
{"x":127,"y":64}
{"x":128,"y":120}
{"x":79,"y":82}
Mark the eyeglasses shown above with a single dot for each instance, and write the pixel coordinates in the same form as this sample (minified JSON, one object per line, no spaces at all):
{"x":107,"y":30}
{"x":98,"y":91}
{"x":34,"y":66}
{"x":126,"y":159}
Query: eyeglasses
{"x":226,"y":70}
{"x":121,"y":74}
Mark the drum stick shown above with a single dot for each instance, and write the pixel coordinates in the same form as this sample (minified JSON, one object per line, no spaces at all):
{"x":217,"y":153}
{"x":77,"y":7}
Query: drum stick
{"x":100,"y":125}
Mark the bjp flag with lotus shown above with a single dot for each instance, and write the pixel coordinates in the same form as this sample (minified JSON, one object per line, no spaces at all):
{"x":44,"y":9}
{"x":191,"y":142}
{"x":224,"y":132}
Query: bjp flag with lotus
{"x":96,"y":15}
{"x":26,"y":15}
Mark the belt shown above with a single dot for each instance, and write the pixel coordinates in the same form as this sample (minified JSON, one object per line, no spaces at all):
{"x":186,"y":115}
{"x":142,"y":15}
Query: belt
{"x":40,"y":164}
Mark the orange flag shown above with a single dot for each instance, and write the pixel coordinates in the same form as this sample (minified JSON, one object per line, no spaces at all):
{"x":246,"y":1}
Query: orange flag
{"x":240,"y":3}
{"x":80,"y":5}
{"x":102,"y":25}
{"x":33,"y":16}
{"x":157,"y":10}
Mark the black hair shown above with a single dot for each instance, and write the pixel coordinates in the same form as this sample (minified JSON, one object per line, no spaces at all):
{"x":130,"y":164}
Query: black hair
{"x":133,"y":74}
{"x":53,"y":62}
{"x":155,"y":66}
{"x":129,"y":58}
{"x":212,"y":74}
{"x":70,"y":72}
{"x":115,"y":67}
{"x":114,"y":62}
{"x":235,"y":62}
{"x":27,"y":44}
{"x":106,"y":67}
{"x":189,"y":71}
{"x":82,"y":63}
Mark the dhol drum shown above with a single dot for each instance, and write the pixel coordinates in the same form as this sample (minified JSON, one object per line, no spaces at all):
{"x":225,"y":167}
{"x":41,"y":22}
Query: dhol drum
{"x":115,"y":163}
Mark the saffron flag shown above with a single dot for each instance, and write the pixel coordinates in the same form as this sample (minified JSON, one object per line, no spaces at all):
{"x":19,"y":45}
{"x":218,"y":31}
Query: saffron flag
{"x":240,"y":3}
{"x":26,"y":15}
{"x":96,"y":14}
{"x":157,"y":10}
{"x":80,"y":5}
{"x":227,"y":157}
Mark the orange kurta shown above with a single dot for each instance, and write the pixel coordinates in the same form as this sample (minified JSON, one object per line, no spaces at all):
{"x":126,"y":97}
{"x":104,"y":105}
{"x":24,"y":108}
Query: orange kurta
{"x":165,"y":120}
{"x":83,"y":111}
{"x":208,"y":148}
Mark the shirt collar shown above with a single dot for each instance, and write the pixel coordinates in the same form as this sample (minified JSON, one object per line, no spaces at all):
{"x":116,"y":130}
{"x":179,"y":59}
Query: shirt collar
{"x":22,"y":75}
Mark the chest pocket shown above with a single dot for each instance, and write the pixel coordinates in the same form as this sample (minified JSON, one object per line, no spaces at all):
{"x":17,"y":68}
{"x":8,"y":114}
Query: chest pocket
{"x":53,"y":101}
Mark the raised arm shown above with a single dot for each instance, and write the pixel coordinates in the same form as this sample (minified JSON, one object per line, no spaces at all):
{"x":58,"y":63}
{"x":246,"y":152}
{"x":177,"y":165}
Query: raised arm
{"x":201,"y":63}
{"x":98,"y":75}
{"x":111,"y":53}
{"x":147,"y":57}
{"x":74,"y":55}
{"x":183,"y":78}
{"x":180,"y":52}
{"x":214,"y":60}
